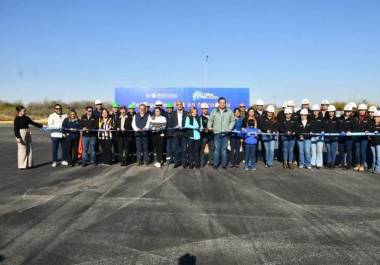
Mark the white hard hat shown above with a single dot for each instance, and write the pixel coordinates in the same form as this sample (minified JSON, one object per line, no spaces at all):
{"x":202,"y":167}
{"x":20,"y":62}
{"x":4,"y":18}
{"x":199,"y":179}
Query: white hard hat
{"x":288,"y":110}
{"x":98,"y":102}
{"x":216,"y":105}
{"x":204,"y":106}
{"x":372,"y":109}
{"x":325,"y":102}
{"x":304,"y":112}
{"x":158,"y":103}
{"x":316,"y":107}
{"x":305,"y":101}
{"x":285,"y":104}
{"x":331,"y":108}
{"x":353,"y":105}
{"x":348,"y":107}
{"x":291,"y":103}
{"x":363,"y":107}
{"x":259,"y":102}
{"x":270,"y":108}
{"x":377,"y":113}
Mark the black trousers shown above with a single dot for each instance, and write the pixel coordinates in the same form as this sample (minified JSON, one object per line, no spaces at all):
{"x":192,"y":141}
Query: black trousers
{"x":158,"y":145}
{"x":72,"y":150}
{"x":180,"y":143}
{"x":106,"y":146}
{"x":194,"y":152}
{"x":124,"y":147}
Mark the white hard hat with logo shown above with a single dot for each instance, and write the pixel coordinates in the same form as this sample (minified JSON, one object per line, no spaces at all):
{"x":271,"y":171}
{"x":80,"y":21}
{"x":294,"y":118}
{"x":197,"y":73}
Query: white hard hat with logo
{"x":291,"y":103}
{"x":98,"y":102}
{"x":316,"y":107}
{"x":331,"y":108}
{"x":270,"y":108}
{"x":362,"y":107}
{"x":304,"y":112}
{"x":259,"y":102}
{"x":348,"y":107}
{"x":325,"y":102}
{"x":204,"y":106}
{"x":372,"y":109}
{"x":305,"y":101}
{"x":353,"y":105}
{"x":285,"y":104}
{"x":377,"y":113}
{"x":158,"y":103}
{"x":288,"y":110}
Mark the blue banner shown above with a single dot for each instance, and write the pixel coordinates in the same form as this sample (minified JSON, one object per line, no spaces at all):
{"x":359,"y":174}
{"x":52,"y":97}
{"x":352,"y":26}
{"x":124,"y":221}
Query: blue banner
{"x":190,"y":96}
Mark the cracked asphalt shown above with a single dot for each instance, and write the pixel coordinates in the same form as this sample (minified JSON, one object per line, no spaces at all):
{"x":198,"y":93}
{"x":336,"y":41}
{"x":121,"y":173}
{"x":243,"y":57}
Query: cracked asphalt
{"x":114,"y":215}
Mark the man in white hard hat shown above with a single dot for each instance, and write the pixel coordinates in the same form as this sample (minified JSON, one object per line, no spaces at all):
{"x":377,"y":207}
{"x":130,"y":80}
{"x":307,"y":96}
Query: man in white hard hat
{"x":305,"y":104}
{"x":98,"y":108}
{"x":207,"y":137}
{"x":372,"y":110}
{"x":324,"y":105}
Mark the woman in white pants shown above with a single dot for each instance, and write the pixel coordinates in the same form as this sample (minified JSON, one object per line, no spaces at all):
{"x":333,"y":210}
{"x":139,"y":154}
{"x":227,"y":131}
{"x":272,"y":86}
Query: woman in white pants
{"x":317,"y":140}
{"x":24,"y":138}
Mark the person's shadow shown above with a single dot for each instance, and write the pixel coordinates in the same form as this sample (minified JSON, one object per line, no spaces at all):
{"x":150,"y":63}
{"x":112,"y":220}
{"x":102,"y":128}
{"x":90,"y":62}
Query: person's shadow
{"x":187,"y":259}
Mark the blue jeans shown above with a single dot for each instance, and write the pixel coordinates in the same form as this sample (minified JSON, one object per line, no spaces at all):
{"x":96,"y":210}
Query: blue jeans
{"x":220,"y":149}
{"x":180,"y":149}
{"x":361,"y":145}
{"x":89,"y":143}
{"x":250,"y":155}
{"x":317,"y":151}
{"x":288,"y":149}
{"x":55,"y":145}
{"x":376,"y":158}
{"x":269,"y":145}
{"x":345,"y":146}
{"x":170,"y":147}
{"x":331,"y":146}
{"x":304,"y":152}
{"x":142,"y":151}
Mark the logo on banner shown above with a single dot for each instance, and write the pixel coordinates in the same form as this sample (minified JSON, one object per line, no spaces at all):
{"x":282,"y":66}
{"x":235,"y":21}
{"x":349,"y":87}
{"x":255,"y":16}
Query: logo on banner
{"x":161,"y":95}
{"x":197,"y":95}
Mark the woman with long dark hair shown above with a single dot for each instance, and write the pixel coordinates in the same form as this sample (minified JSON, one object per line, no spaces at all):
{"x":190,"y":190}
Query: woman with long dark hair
{"x":105,"y":136}
{"x":71,"y":126}
{"x":24,"y":138}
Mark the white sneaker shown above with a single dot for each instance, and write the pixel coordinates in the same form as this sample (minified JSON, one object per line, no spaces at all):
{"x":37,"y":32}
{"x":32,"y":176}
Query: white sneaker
{"x":54,"y":164}
{"x":64,"y":163}
{"x":157,"y":164}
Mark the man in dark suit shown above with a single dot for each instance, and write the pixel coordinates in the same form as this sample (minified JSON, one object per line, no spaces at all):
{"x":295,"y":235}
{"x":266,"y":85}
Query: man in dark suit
{"x":178,"y":123}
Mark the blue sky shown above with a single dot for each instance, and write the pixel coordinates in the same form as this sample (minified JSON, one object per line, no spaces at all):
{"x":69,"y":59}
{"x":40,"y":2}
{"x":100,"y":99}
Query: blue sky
{"x":82,"y":49}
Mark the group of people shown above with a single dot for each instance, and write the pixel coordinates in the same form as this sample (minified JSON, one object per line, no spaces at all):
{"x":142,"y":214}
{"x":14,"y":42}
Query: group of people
{"x":192,"y":138}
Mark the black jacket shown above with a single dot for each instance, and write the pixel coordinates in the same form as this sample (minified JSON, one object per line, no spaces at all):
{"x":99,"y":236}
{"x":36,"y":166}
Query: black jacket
{"x":127,"y":127}
{"x":287,"y":126}
{"x":267,"y":125}
{"x":347,"y":125}
{"x":332,"y":125}
{"x":303,"y":130}
{"x":375,"y":140}
{"x":317,"y":124}
{"x":364,"y":125}
{"x":89,"y":123}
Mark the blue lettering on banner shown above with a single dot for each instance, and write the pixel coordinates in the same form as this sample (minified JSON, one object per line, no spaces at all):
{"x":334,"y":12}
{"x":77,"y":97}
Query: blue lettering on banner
{"x":190,"y":96}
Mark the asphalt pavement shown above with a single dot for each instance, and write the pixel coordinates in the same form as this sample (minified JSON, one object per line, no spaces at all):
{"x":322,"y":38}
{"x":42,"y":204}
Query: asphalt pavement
{"x":144,"y":215}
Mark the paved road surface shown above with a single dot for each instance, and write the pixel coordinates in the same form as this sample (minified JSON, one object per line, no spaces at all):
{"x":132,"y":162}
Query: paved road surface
{"x":113,"y":215}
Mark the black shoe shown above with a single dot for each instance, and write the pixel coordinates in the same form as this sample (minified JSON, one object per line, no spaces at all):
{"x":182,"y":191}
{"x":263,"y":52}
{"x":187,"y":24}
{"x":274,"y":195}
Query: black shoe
{"x":84,"y":164}
{"x":232,"y":165}
{"x":177,"y":165}
{"x":184,"y":166}
{"x":191,"y":166}
{"x":225,"y":167}
{"x":215,"y":167}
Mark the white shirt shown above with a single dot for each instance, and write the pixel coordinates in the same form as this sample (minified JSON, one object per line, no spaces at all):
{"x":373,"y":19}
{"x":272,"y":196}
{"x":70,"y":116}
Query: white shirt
{"x":55,"y":123}
{"x":179,"y":118}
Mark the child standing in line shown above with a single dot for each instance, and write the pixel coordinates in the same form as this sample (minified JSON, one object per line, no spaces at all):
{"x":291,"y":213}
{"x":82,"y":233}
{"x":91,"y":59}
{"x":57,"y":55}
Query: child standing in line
{"x":250,"y":139}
